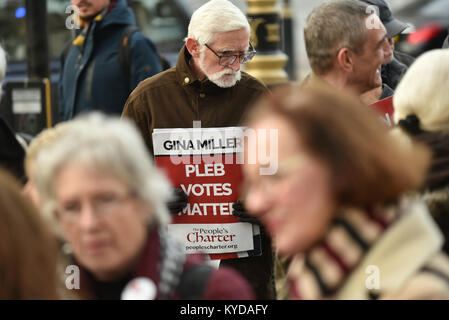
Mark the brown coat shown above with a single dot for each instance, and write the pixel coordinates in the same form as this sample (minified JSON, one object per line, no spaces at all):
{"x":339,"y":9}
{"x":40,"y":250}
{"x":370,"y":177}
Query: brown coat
{"x":175,"y":98}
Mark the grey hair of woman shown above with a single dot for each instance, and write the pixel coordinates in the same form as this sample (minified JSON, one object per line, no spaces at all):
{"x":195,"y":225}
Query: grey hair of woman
{"x":107,"y":146}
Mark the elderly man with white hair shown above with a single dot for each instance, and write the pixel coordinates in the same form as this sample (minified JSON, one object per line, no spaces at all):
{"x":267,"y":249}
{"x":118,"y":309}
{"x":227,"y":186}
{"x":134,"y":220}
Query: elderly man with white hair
{"x":207,"y":85}
{"x":11,"y":152}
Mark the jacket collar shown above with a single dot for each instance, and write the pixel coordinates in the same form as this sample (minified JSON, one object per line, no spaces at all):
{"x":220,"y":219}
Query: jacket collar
{"x":184,"y":74}
{"x":329,"y":263}
{"x":187,"y":78}
{"x":119,"y":13}
{"x":405,"y":248}
{"x":387,"y":261}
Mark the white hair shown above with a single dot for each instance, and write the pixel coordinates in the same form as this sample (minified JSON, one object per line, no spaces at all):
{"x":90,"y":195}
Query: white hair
{"x":108,"y":146}
{"x":215,"y":16}
{"x":2,"y":67}
{"x":423,"y":92}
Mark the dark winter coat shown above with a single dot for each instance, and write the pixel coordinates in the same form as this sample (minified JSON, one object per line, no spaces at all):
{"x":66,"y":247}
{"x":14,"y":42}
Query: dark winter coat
{"x":393,"y":72}
{"x":92,"y":77}
{"x":11,"y":152}
{"x":176,"y":97}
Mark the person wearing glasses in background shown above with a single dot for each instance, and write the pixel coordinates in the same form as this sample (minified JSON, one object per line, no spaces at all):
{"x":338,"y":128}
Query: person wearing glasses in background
{"x":207,"y":85}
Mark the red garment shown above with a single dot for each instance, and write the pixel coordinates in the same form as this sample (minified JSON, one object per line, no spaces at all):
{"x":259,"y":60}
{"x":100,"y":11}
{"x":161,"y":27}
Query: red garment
{"x":223,"y":284}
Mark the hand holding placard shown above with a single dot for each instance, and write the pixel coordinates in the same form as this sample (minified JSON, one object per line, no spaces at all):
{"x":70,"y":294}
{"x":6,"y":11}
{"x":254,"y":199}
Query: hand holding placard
{"x":179,"y":201}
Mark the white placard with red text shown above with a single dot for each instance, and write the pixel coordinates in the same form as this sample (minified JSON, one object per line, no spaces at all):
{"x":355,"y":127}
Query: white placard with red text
{"x":206,"y":164}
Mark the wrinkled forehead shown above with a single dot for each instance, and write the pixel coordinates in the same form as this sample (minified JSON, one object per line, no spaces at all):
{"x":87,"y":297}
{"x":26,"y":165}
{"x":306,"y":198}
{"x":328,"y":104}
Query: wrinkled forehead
{"x":77,"y":177}
{"x":236,"y":40}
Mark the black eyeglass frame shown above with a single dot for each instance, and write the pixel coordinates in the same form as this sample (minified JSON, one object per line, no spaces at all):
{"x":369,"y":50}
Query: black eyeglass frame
{"x":243,"y":58}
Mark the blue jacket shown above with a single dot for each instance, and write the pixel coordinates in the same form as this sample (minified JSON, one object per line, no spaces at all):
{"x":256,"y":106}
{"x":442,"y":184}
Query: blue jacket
{"x":92,"y":77}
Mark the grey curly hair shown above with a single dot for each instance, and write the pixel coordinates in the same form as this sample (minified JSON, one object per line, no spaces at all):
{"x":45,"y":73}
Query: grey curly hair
{"x":105,"y":145}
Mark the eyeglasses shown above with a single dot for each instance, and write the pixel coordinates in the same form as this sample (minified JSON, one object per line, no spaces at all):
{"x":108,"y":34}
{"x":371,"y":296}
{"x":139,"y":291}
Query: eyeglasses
{"x":229,"y":58}
{"x":269,"y":183}
{"x":104,"y":204}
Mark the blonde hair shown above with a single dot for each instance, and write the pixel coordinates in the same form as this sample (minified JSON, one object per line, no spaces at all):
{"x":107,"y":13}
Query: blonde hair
{"x":423,"y":92}
{"x":215,"y":16}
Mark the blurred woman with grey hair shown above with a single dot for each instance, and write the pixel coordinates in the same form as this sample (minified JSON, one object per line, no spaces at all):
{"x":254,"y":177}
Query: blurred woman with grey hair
{"x":108,"y":202}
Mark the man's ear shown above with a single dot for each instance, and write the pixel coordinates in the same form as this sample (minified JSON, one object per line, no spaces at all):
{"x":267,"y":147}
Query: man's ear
{"x":193,"y":47}
{"x":345,"y":59}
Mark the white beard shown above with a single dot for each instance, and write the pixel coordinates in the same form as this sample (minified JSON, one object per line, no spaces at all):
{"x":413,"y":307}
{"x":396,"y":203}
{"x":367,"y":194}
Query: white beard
{"x":225,"y":79}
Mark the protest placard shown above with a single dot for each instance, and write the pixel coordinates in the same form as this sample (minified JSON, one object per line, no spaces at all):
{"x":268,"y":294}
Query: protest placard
{"x":385,"y":109}
{"x":206,"y":164}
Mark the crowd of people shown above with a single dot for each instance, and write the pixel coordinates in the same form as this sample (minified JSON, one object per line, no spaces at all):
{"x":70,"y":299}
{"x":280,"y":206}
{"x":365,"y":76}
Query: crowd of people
{"x":355,"y":210}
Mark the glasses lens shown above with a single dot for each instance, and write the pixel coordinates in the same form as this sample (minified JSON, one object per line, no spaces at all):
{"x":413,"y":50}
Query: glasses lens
{"x":227,"y":60}
{"x":247,"y":57}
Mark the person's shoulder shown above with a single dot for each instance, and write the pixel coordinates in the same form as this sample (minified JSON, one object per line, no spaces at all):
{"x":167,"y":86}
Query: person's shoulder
{"x":226,"y":283}
{"x":139,"y":38}
{"x":431,"y":282}
{"x":404,"y":58}
{"x":160,"y":80}
{"x":251,"y":82}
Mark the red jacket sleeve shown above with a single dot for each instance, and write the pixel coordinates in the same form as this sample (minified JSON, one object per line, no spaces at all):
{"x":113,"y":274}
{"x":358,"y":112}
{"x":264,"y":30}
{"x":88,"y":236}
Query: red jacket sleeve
{"x":227,"y":284}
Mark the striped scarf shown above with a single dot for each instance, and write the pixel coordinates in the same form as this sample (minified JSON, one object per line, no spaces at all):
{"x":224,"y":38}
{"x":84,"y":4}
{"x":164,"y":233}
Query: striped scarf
{"x":322,"y":271}
{"x":79,"y":40}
